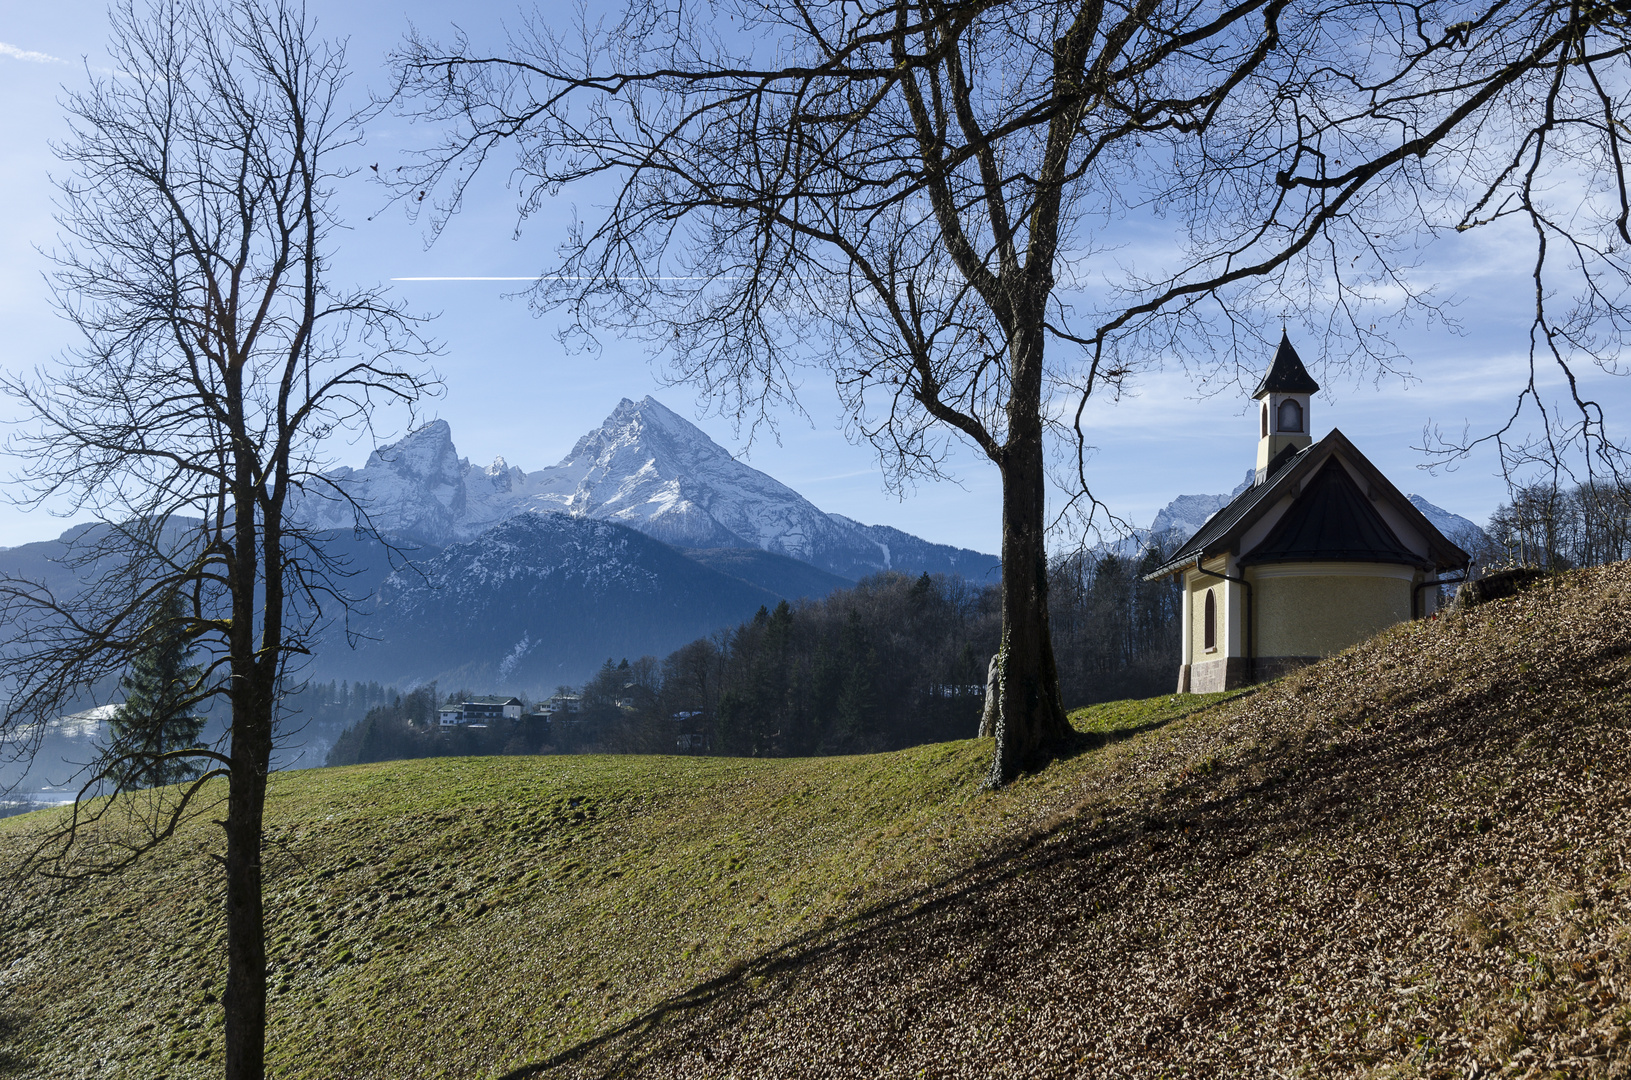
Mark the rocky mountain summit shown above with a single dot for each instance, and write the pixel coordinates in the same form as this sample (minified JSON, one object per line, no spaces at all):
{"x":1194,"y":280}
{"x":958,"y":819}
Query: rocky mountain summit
{"x":1458,"y":530}
{"x":645,"y":467}
{"x":1184,"y":516}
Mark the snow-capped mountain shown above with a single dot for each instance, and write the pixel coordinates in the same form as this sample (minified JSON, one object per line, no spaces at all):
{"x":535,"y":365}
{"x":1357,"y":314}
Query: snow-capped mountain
{"x":1457,"y":529}
{"x":648,"y":468}
{"x":1183,"y":517}
{"x":420,"y":488}
{"x":645,"y":467}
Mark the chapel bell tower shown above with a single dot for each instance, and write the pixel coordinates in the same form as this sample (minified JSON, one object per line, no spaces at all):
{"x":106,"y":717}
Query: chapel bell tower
{"x":1283,"y":399}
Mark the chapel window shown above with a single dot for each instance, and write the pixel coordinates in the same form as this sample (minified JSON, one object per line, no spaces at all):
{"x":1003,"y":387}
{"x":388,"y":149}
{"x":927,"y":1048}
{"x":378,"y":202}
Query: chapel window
{"x":1265,"y":419}
{"x":1291,"y":415}
{"x":1210,"y":622}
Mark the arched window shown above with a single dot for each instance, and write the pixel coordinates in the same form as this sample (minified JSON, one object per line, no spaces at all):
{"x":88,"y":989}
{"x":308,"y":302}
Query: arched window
{"x":1210,"y":622}
{"x":1291,"y":415}
{"x":1265,"y":419}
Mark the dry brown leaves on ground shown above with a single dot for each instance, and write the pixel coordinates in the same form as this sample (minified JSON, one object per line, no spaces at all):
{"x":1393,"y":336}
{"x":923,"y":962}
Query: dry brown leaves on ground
{"x":1411,"y":860}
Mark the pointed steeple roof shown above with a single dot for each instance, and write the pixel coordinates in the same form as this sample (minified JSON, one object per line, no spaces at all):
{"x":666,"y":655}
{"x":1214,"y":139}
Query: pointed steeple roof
{"x":1331,"y":521}
{"x":1287,"y":374}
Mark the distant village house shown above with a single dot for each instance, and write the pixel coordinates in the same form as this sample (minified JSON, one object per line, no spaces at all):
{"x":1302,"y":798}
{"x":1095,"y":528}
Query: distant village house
{"x":479,"y":711}
{"x":558,"y":705}
{"x":482,"y":709}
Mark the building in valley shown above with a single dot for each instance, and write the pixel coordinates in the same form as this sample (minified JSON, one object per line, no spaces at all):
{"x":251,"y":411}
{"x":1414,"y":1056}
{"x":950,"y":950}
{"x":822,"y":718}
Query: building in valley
{"x":482,"y":709}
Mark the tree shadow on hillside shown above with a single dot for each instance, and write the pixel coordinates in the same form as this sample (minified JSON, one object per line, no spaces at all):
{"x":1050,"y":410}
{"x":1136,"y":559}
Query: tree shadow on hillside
{"x":1286,"y":789}
{"x":1084,"y":741}
{"x":12,"y":1063}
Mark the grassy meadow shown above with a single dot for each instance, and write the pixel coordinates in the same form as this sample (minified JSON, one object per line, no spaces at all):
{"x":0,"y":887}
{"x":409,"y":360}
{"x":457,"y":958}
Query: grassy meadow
{"x":1411,"y":860}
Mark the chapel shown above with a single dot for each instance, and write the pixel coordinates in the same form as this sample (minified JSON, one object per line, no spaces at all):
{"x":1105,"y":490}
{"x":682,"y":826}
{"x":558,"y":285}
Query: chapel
{"x":1319,"y":553}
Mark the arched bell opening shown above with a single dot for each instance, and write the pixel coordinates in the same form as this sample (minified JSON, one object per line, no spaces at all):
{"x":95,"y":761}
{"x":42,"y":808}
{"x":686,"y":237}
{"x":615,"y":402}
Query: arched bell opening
{"x":1291,"y":416}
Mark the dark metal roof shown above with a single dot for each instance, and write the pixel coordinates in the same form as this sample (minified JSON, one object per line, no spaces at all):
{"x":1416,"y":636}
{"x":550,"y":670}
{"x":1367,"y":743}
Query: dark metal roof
{"x":1224,"y":528}
{"x":1332,"y":521}
{"x":1287,"y":374}
{"x":1220,"y":523}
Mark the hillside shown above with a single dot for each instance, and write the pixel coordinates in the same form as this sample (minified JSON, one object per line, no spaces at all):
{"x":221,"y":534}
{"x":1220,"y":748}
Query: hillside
{"x":1411,"y":860}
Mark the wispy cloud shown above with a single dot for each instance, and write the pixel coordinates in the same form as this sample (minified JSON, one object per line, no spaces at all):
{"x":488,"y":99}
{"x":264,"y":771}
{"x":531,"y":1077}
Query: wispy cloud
{"x":32,"y":57}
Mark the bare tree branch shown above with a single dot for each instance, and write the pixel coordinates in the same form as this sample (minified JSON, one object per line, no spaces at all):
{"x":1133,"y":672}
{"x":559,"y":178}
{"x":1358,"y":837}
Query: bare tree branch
{"x":920,"y":197}
{"x":217,"y":358}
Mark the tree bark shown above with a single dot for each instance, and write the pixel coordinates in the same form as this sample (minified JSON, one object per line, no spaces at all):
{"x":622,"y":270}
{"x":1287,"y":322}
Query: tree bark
{"x":1031,"y":726}
{"x":244,"y":1002}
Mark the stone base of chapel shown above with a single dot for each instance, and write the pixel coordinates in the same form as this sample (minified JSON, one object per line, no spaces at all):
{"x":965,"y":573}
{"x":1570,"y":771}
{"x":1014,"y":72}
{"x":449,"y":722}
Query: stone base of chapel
{"x":1232,"y":672}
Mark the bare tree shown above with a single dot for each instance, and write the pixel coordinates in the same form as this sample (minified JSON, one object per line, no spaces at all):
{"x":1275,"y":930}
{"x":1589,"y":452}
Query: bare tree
{"x":217,"y":357}
{"x":923,"y":198}
{"x":1548,"y":528}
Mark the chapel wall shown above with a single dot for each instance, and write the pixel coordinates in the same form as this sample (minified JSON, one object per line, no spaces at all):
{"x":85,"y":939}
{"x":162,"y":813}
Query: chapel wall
{"x":1319,"y":614}
{"x":1196,"y":599}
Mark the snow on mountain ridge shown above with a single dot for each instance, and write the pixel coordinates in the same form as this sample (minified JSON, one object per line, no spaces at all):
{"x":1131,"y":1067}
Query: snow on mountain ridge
{"x":645,"y":467}
{"x":1458,"y":530}
{"x":1187,"y":513}
{"x":649,"y":468}
{"x":1183,"y":517}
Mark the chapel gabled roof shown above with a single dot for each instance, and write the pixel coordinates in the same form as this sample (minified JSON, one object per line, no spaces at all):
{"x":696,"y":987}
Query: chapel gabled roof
{"x":1286,"y":375}
{"x":1332,"y":521}
{"x":1221,"y":525}
{"x":1223,"y":530}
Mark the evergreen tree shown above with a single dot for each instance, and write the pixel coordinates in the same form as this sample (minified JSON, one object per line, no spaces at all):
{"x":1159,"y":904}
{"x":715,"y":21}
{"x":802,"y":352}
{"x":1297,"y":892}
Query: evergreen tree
{"x":157,"y":716}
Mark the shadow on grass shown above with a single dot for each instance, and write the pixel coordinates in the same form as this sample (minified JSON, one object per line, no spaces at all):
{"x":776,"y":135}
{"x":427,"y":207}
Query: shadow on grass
{"x":795,"y":955}
{"x":854,"y":934}
{"x":1289,"y":789}
{"x":1084,"y":741}
{"x":12,"y":1063}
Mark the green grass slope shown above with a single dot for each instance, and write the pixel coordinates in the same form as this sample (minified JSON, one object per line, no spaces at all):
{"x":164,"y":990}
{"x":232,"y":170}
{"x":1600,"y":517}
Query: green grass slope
{"x":1411,"y":860}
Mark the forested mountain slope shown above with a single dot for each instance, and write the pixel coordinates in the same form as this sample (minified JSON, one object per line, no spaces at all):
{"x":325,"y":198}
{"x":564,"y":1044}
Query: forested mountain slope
{"x":536,"y":601}
{"x":1411,"y":860}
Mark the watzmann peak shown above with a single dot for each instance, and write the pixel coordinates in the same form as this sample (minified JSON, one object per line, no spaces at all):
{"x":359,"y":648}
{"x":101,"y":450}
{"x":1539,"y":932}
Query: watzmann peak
{"x":645,"y":466}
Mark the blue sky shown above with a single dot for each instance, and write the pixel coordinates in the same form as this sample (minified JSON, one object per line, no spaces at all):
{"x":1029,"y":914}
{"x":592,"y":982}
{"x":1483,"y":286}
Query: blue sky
{"x":513,"y":391}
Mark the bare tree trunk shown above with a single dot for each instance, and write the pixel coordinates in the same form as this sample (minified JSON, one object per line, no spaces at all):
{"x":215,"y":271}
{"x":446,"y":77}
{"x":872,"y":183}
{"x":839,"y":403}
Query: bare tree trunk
{"x":245,"y":999}
{"x":244,"y":1002}
{"x":1031,"y":726}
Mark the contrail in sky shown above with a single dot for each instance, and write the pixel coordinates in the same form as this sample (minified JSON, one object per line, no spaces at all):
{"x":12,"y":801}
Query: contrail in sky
{"x":32,"y":57}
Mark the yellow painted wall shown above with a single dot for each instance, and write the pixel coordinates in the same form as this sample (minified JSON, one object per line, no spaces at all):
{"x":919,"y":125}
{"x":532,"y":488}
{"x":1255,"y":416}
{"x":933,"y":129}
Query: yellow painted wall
{"x":1197,"y":619}
{"x":1318,"y":616}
